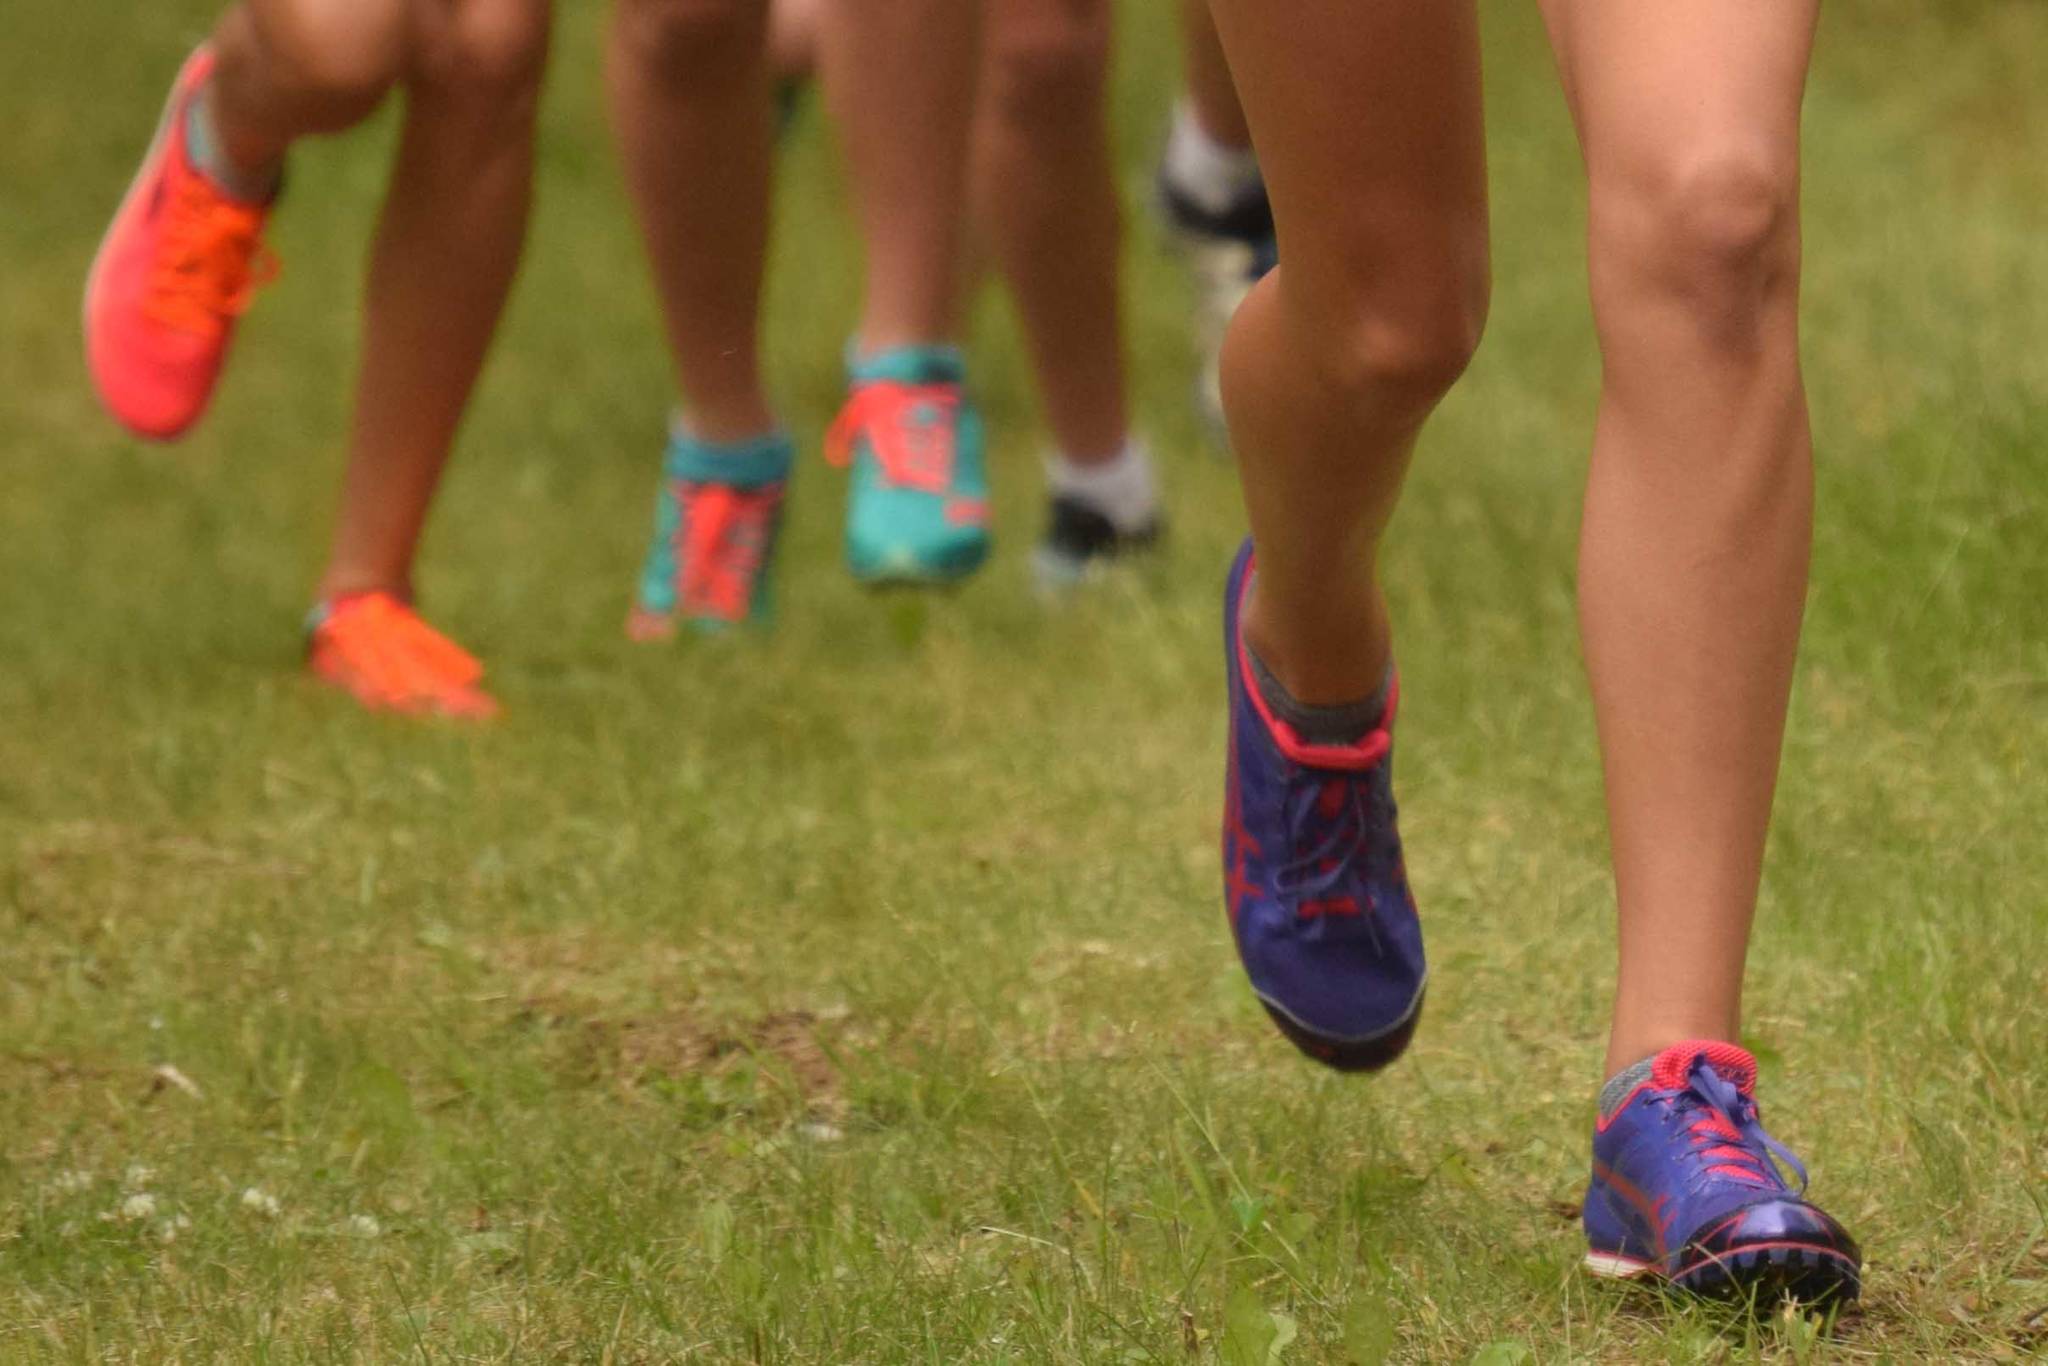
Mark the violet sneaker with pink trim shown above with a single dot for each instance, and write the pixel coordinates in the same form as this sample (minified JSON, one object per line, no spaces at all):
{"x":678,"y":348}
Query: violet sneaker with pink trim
{"x":1687,"y":1189}
{"x":1313,"y":876}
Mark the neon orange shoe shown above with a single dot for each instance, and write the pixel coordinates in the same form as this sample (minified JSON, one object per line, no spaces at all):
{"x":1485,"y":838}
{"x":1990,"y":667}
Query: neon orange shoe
{"x":176,"y":270}
{"x":376,"y":648}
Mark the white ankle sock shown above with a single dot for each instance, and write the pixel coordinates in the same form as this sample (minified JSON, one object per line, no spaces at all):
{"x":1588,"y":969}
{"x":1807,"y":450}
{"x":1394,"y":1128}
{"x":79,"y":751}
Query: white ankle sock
{"x":1121,"y":488}
{"x":1215,"y":176}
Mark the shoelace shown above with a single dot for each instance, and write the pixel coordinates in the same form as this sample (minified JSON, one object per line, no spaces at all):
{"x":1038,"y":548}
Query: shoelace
{"x":909,"y":427}
{"x":212,"y":259}
{"x":1726,"y":1133}
{"x":1332,"y":810}
{"x":720,"y":544}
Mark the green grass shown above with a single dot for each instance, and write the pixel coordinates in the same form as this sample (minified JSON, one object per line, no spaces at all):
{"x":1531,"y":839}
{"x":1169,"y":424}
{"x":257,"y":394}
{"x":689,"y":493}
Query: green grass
{"x":861,"y":993}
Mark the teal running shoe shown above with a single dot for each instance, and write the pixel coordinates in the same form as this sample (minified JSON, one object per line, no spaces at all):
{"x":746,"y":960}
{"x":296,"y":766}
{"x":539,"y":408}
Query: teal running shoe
{"x":917,"y":510}
{"x":716,"y":520}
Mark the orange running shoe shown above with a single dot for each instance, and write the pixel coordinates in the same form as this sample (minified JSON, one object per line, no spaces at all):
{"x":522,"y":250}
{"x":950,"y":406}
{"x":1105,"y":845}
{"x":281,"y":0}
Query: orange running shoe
{"x":375,"y":647}
{"x":178,"y":266}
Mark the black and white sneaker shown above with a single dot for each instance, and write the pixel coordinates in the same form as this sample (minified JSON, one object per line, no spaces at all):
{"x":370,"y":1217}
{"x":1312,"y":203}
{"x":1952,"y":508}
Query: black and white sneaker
{"x":1226,"y":253}
{"x":1080,"y":541}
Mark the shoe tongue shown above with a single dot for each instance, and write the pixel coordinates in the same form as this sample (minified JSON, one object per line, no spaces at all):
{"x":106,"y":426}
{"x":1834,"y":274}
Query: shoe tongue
{"x":1669,"y":1070}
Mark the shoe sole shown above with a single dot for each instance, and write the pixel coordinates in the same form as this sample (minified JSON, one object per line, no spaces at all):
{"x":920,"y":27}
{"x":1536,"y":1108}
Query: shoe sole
{"x":905,"y":590}
{"x":1766,"y":1274}
{"x":1351,"y":1055}
{"x":1054,"y":573}
{"x":172,"y":104}
{"x":902,"y":573}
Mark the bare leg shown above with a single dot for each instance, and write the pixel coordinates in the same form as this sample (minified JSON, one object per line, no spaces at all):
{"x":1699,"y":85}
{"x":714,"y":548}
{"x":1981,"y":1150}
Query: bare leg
{"x":900,"y":78}
{"x":444,"y":260}
{"x":1338,"y":356}
{"x":1212,"y":95}
{"x":1699,"y":511}
{"x":1046,"y":194}
{"x":793,"y":38}
{"x":690,"y":102}
{"x":289,"y":69}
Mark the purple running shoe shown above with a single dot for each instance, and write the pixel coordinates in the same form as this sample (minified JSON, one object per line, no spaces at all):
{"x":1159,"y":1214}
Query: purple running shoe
{"x":1686,"y":1188}
{"x":1313,"y":877}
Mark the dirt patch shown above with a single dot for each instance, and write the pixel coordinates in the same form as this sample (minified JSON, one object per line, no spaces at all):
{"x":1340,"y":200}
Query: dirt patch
{"x":789,"y":1047}
{"x":40,"y":1080}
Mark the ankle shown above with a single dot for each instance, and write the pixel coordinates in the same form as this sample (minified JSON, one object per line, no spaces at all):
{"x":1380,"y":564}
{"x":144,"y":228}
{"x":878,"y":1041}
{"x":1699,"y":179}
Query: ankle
{"x":348,"y":582}
{"x":912,"y":362}
{"x":731,"y":421}
{"x":1334,"y":656}
{"x":237,"y":167}
{"x":1337,"y":725}
{"x":1121,"y":486}
{"x":1627,"y":1048}
{"x":881,"y":341}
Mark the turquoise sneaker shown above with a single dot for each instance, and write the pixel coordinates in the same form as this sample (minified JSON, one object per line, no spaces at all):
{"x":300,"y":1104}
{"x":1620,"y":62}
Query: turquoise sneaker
{"x":917,"y":508}
{"x":715,"y":525}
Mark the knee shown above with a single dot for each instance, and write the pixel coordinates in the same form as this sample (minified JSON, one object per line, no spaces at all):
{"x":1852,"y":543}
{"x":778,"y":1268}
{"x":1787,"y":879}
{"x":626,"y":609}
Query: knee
{"x":1716,"y":234}
{"x":489,"y":51}
{"x":690,"y":40}
{"x":1057,"y":68}
{"x":343,"y":55}
{"x":1398,"y":352}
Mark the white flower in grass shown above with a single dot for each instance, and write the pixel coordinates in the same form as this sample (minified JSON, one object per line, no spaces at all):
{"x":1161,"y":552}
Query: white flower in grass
{"x":261,"y":1201}
{"x":167,"y":1230}
{"x":138,"y":1176}
{"x":71,"y":1182}
{"x":363,"y":1226}
{"x":137,"y":1206}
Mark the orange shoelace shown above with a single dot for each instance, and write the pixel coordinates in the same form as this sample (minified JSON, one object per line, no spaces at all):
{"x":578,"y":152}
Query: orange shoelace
{"x":211,"y":260}
{"x":909,"y":427}
{"x":724,"y":538}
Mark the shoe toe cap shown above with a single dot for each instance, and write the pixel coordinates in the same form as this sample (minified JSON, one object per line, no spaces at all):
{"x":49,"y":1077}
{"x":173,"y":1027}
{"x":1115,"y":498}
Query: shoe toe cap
{"x":952,"y":553}
{"x":154,"y":386}
{"x":1788,"y":1220}
{"x":1786,"y":1247}
{"x":1346,"y":993}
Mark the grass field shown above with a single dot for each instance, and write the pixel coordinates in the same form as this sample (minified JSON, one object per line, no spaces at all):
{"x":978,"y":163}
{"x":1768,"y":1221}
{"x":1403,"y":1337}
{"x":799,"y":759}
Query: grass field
{"x":861,"y":993}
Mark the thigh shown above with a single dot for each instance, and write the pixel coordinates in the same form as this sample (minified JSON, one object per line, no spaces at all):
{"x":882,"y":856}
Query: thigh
{"x":1368,"y":122}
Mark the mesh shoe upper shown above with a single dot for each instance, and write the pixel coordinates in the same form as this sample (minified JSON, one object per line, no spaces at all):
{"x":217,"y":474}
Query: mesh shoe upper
{"x":917,"y":508}
{"x":717,"y":519}
{"x":376,"y":647}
